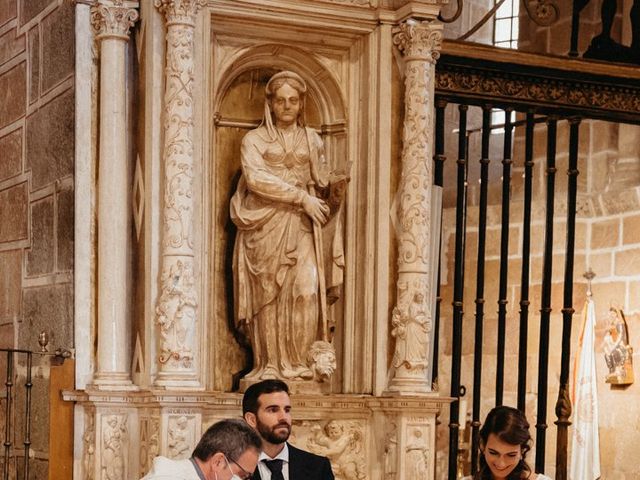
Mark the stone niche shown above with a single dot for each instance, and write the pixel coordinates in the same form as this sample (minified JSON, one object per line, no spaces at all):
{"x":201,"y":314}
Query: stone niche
{"x":340,"y":67}
{"x":239,"y":108}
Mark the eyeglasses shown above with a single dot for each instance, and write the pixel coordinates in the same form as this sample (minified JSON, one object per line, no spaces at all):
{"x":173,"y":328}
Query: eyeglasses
{"x":246,"y":475}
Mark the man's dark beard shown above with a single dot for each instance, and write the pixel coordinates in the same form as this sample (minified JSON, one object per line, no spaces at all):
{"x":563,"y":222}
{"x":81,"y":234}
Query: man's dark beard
{"x":270,"y":435}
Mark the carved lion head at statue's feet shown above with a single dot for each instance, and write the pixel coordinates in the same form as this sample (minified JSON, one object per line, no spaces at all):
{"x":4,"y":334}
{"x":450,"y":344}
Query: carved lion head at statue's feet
{"x":322,"y":360}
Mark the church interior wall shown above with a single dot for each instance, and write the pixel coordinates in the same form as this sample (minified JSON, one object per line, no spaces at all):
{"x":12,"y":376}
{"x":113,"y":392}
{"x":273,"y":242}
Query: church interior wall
{"x":36,"y":204}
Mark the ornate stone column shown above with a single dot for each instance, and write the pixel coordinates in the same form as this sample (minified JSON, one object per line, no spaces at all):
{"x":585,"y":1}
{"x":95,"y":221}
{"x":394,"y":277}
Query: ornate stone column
{"x":177,"y":308}
{"x":112,"y":20}
{"x":419,"y":42}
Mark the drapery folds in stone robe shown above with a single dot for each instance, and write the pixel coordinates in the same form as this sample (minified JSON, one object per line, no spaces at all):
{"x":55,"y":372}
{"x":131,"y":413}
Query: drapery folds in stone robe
{"x":288,"y":252}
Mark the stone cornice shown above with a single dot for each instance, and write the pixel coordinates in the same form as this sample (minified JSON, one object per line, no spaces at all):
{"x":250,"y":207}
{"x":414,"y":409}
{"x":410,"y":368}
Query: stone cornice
{"x":208,"y":401}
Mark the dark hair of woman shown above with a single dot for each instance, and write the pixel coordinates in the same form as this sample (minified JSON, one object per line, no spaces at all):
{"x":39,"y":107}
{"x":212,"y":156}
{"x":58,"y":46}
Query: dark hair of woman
{"x":510,"y":426}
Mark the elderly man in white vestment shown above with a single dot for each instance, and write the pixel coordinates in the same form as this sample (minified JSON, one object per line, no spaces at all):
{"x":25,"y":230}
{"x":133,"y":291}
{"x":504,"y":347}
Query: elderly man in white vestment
{"x":228,"y":450}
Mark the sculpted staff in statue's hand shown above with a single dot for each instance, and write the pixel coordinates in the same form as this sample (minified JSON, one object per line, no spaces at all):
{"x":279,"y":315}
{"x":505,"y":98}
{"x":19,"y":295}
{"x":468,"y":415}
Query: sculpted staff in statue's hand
{"x":279,"y":280}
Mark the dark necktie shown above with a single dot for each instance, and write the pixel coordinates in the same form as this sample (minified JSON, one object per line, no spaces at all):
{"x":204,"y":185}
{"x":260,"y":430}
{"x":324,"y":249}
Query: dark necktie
{"x":276,"y":468}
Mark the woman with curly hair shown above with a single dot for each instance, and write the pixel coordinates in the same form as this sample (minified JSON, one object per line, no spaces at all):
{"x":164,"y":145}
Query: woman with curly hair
{"x":504,"y":443}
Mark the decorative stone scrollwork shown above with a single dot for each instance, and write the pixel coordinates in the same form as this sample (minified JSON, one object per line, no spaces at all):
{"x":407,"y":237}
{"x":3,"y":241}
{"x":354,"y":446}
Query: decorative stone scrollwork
{"x":179,"y":11}
{"x":149,"y":443}
{"x":419,"y":42}
{"x":115,"y":439}
{"x":342,"y":442}
{"x":176,"y":311}
{"x":113,"y":20}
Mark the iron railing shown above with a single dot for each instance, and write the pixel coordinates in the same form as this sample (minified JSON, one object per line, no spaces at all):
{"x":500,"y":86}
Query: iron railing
{"x":542,"y":89}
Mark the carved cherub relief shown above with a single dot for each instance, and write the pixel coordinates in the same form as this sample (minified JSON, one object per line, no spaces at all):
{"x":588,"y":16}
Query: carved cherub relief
{"x":341,"y":442}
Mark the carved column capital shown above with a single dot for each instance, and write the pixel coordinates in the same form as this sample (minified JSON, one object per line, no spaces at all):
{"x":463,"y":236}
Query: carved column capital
{"x":179,"y":11}
{"x":419,"y":40}
{"x":113,"y":20}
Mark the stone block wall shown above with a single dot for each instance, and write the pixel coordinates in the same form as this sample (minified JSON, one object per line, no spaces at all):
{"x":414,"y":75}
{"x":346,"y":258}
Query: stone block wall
{"x":36,"y":196}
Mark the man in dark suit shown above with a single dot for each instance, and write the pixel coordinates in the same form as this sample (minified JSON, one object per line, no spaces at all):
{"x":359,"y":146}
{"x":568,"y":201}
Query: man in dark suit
{"x":266,"y":406}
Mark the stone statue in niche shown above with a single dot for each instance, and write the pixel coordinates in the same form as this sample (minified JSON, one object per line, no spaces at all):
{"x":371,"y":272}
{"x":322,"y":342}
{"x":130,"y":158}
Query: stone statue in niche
{"x":341,"y":442}
{"x":288,"y":256}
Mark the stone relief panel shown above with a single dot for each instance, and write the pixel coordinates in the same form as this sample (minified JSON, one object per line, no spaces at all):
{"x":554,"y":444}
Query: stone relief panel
{"x":411,"y":324}
{"x":181,"y":437}
{"x":89,"y":446}
{"x":391,"y":451}
{"x":149,"y":442}
{"x":416,"y":451}
{"x":115,"y":443}
{"x":342,"y":441}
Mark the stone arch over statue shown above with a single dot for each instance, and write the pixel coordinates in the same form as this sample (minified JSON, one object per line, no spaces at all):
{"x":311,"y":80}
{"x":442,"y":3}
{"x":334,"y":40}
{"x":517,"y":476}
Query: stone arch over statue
{"x":237,"y":107}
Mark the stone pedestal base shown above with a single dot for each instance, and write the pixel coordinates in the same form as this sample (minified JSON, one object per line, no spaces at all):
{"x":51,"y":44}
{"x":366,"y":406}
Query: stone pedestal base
{"x":366,"y":438}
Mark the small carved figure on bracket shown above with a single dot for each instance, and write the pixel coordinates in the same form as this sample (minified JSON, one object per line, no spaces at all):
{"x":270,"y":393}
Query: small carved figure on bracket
{"x":411,"y":326}
{"x":617,"y":352}
{"x":285,"y":198}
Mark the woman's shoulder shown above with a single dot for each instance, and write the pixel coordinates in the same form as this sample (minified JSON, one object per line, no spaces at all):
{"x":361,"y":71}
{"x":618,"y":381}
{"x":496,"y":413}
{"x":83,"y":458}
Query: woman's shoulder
{"x":539,"y":476}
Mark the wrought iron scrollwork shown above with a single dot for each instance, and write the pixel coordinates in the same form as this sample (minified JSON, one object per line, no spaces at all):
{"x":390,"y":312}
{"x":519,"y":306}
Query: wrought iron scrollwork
{"x":542,"y":12}
{"x":455,"y":15}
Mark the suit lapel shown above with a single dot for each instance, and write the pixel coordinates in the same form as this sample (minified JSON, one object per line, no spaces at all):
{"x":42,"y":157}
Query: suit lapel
{"x":294,"y":463}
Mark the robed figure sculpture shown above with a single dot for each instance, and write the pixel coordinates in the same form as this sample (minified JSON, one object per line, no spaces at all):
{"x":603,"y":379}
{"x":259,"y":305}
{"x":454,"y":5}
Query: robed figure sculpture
{"x":288,"y":252}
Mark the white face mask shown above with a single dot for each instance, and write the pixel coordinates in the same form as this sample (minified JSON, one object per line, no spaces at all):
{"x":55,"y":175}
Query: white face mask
{"x":233,"y":475}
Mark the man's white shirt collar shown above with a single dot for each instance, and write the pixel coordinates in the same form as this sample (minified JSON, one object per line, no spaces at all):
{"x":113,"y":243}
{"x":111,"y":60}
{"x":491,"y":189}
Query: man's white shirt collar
{"x":265,"y":473}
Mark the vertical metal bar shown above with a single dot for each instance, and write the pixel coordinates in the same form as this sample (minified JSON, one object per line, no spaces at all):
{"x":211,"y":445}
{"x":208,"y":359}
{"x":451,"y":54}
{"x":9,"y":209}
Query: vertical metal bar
{"x":27,"y":420}
{"x":482,"y":234}
{"x":7,"y":433}
{"x":458,"y":291}
{"x":563,"y":405}
{"x":545,"y":310}
{"x":504,"y":255}
{"x":439,"y":159}
{"x":526,"y":258}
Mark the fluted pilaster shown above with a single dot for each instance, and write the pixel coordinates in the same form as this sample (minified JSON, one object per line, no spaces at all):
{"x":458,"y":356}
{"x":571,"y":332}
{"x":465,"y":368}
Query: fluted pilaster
{"x":419,"y":43}
{"x":177,"y":308}
{"x":112,"y":21}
